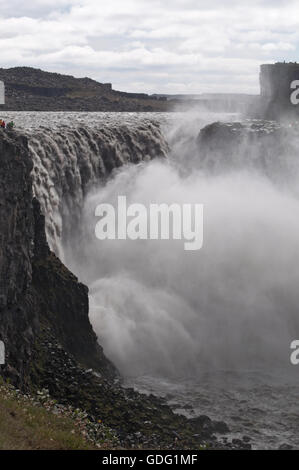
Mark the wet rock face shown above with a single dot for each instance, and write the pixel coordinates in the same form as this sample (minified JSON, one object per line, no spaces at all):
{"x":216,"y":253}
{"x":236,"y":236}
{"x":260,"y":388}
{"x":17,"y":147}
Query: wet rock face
{"x":253,"y":145}
{"x":36,"y":289}
{"x":275,"y":81}
{"x":204,"y":424}
{"x":16,"y":219}
{"x":63,"y":307}
{"x":234,"y":145}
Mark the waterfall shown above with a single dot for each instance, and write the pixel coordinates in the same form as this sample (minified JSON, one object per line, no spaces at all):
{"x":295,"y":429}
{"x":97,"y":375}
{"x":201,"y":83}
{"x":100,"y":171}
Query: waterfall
{"x":69,"y":161}
{"x":157,"y":309}
{"x":210,"y":329}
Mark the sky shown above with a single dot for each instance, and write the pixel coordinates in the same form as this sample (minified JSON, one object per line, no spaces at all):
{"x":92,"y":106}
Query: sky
{"x":152,"y":46}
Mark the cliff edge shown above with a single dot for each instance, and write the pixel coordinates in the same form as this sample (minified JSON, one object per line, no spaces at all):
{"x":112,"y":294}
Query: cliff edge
{"x":39,"y":296}
{"x":276,"y":90}
{"x":30,"y":89}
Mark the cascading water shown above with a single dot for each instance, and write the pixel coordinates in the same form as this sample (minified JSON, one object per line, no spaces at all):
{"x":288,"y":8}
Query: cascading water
{"x":71,"y":156}
{"x":210,"y":329}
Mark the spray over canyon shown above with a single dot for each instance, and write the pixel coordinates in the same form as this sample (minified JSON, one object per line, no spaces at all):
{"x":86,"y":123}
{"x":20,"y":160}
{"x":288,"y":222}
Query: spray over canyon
{"x":160,"y":311}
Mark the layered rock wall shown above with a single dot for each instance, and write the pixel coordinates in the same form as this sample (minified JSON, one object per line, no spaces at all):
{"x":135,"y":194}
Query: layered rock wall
{"x":38,"y":294}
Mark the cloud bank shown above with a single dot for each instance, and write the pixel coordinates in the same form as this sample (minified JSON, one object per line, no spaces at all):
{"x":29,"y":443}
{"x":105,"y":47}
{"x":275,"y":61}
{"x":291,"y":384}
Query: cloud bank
{"x":170,"y":46}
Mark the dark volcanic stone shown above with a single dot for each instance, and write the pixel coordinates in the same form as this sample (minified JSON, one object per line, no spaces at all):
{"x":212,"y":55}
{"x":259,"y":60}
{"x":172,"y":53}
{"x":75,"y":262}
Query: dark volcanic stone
{"x":29,"y":89}
{"x":285,"y":447}
{"x":220,"y":427}
{"x":36,"y":289}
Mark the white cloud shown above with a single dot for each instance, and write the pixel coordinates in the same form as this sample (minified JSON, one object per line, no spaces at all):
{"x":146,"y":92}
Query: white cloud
{"x":141,"y":45}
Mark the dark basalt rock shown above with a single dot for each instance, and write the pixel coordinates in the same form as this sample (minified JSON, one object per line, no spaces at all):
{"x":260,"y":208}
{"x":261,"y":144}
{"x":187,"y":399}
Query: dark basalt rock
{"x":285,"y":447}
{"x":16,"y":219}
{"x":252,"y":145}
{"x":204,"y":423}
{"x":275,"y":81}
{"x":36,"y":289}
{"x":233,"y":145}
{"x":30,"y":89}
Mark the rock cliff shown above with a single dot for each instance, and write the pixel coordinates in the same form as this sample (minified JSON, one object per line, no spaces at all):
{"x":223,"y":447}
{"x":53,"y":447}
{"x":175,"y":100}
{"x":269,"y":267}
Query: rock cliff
{"x":275,"y":83}
{"x":29,"y":89}
{"x":37,"y":291}
{"x":263,"y":147}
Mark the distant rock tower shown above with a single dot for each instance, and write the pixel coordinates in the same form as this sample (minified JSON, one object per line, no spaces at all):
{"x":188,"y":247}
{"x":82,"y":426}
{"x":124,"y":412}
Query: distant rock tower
{"x":275,"y":83}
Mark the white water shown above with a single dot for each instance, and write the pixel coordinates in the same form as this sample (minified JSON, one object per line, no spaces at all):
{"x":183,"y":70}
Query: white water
{"x":74,"y":151}
{"x":211,"y":329}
